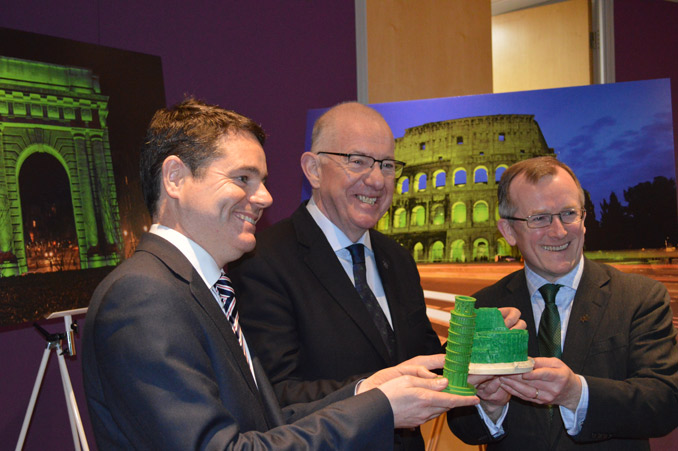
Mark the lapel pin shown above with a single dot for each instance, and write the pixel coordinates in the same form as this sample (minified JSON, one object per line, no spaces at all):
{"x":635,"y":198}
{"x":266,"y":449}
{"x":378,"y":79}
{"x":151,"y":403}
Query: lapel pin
{"x":584,"y":318}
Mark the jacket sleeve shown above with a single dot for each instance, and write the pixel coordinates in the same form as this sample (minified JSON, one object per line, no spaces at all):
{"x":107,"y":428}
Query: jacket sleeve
{"x":632,"y":373}
{"x":158,"y":377}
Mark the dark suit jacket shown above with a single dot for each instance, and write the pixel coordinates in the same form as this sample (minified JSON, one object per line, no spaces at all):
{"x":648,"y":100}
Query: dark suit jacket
{"x":163,"y":370}
{"x":306,"y":321}
{"x":620,"y":337}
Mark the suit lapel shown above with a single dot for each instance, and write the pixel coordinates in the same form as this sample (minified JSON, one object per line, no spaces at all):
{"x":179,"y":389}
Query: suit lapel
{"x":588,"y":308}
{"x":203,"y":297}
{"x":521,"y":300}
{"x":392,"y":284}
{"x":323,"y":263}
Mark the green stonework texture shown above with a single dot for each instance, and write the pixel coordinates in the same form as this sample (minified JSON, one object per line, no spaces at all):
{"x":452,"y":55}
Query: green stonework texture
{"x":478,"y":336}
{"x":459,"y":345}
{"x":493,"y":342}
{"x":58,"y":110}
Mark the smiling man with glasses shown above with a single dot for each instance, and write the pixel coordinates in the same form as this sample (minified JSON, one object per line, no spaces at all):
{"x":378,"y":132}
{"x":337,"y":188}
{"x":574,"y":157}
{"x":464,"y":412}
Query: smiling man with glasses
{"x":331,"y":300}
{"x":606,"y":361}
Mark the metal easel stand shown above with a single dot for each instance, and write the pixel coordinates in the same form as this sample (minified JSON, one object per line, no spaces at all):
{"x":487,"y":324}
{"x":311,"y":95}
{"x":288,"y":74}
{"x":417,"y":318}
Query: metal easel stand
{"x":54,"y":343}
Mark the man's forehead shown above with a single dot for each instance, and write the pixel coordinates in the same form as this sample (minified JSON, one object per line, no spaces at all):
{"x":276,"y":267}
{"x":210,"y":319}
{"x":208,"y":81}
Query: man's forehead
{"x":525,"y":192}
{"x":367,"y":140}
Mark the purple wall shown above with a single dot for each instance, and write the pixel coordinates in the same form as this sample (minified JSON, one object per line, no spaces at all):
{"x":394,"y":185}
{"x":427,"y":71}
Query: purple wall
{"x":269,"y":60}
{"x":646,"y":41}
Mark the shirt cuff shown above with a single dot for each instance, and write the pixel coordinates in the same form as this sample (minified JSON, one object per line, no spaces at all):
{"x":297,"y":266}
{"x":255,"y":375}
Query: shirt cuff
{"x":496,"y":429}
{"x":355,"y":390}
{"x":574,"y":421}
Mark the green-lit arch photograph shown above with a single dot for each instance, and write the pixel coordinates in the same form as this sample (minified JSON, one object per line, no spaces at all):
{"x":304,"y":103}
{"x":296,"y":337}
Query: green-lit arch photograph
{"x":72,"y":117}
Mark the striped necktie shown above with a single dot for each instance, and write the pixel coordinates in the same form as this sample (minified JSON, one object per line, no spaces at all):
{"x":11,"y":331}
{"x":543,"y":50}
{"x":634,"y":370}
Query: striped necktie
{"x":227,"y":300}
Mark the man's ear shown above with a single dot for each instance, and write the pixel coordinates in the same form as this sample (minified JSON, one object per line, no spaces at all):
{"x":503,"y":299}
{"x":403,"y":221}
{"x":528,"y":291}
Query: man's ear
{"x":311,"y":167}
{"x":174,"y":173}
{"x":506,"y":229}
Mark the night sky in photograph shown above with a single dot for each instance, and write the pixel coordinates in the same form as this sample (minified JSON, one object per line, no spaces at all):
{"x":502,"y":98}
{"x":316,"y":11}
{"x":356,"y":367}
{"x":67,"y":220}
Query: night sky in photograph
{"x":613,"y":136}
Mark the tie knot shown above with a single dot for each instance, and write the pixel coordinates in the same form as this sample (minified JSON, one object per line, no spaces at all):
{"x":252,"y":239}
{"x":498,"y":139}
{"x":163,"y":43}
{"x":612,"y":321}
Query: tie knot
{"x":357,"y":253}
{"x":548,"y":292}
{"x":224,"y":286}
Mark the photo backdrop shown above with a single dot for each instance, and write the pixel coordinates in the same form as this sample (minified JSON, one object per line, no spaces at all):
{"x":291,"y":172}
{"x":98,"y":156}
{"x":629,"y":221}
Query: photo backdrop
{"x":618,"y":139}
{"x":72,"y":118}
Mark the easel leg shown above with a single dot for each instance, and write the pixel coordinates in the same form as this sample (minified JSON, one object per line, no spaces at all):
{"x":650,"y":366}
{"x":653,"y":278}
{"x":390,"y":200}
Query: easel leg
{"x":34,"y":397}
{"x":77,"y":429}
{"x":73,"y":412}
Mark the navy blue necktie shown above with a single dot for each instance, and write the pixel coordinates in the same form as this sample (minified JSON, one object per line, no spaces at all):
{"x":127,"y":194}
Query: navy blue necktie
{"x":549,"y":325}
{"x":360,"y":276}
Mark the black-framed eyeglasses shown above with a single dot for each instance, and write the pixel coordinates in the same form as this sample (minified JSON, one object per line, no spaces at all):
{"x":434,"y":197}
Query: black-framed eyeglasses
{"x":361,"y":163}
{"x":569,"y":216}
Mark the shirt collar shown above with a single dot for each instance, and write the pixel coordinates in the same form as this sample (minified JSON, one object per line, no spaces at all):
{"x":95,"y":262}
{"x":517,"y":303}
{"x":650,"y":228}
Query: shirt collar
{"x":570,"y":280}
{"x":199,"y":258}
{"x":337,"y":239}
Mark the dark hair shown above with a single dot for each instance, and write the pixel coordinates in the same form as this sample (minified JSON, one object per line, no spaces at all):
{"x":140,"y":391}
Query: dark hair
{"x":189,"y":130}
{"x":534,"y":170}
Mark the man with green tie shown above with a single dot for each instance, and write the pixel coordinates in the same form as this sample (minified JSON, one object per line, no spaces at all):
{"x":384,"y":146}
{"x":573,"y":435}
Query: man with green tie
{"x":606,"y":359}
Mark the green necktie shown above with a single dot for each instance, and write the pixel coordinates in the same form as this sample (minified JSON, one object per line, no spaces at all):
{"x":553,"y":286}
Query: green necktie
{"x":549,"y":325}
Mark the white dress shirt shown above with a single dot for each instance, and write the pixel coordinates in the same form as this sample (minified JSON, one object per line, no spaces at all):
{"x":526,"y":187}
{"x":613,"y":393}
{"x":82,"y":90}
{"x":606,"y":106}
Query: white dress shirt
{"x":204,"y":265}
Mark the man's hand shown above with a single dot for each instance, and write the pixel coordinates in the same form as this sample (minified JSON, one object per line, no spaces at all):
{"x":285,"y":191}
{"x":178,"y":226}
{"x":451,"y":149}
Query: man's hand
{"x":415,"y":400}
{"x":512,"y":319}
{"x":414,"y":391}
{"x":492,"y":395}
{"x":418,"y":366}
{"x":551,"y":382}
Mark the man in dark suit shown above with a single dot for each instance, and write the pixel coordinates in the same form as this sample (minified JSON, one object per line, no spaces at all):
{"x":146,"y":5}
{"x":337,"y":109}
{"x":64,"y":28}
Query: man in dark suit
{"x":606,"y":366}
{"x":165,"y":363}
{"x":306,"y":319}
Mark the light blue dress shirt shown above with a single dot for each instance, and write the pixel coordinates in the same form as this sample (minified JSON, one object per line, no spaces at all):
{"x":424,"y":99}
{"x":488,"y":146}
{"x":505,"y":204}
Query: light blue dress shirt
{"x":339,"y":242}
{"x":573,"y":421}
